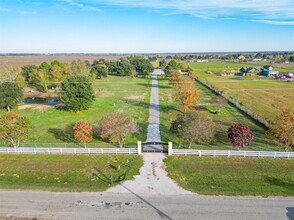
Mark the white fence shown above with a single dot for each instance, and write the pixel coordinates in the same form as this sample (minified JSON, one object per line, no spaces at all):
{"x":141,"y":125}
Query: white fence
{"x":231,"y":153}
{"x":28,"y":150}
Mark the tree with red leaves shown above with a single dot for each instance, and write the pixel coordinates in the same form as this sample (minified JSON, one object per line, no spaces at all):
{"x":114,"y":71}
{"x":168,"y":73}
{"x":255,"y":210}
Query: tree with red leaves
{"x":240,"y":135}
{"x":83,"y":132}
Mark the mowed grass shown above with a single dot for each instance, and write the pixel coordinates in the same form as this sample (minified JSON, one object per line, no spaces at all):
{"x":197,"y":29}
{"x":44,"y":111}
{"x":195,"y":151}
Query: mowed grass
{"x":112,"y":93}
{"x":228,"y":115}
{"x":264,"y":96}
{"x":66,"y":172}
{"x":233,"y":176}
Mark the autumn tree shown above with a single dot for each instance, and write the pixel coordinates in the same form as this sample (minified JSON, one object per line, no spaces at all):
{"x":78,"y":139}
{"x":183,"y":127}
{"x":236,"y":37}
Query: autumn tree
{"x":240,"y":135}
{"x":83,"y":132}
{"x":117,"y":126}
{"x":193,"y":127}
{"x":10,"y":95}
{"x":218,"y":103}
{"x":175,"y":78}
{"x":77,"y":93}
{"x":13,"y":129}
{"x":282,"y":129}
{"x":187,"y":94}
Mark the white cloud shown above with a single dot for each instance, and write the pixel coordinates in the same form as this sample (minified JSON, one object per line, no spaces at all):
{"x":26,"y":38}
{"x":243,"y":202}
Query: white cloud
{"x":83,"y":6}
{"x":266,"y":11}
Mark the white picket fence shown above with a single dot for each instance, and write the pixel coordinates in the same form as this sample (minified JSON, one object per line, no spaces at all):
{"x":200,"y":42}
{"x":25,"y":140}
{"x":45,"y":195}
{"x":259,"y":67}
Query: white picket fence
{"x":28,"y":150}
{"x":231,"y":153}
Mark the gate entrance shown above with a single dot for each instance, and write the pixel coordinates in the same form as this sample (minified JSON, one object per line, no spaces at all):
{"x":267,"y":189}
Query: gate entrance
{"x":155,"y":146}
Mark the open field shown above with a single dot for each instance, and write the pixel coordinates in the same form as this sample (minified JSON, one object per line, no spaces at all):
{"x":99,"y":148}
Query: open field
{"x":50,"y":125}
{"x":233,"y":176}
{"x":10,"y":61}
{"x":264,"y":96}
{"x":66,"y":172}
{"x":223,"y":120}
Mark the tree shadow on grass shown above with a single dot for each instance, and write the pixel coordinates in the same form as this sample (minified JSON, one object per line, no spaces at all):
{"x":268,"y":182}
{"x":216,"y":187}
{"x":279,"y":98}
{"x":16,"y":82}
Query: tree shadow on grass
{"x":288,"y":185}
{"x":65,"y":135}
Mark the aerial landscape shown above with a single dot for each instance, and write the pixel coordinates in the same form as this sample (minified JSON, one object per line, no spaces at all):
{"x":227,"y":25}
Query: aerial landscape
{"x":146,"y":109}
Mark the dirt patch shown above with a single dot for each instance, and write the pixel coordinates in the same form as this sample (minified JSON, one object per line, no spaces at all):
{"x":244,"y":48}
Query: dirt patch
{"x":135,"y":97}
{"x":36,"y":94}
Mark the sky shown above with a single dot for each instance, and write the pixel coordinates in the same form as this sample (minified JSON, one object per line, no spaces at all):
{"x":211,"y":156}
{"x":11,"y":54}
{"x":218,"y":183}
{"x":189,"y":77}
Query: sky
{"x":145,"y":26}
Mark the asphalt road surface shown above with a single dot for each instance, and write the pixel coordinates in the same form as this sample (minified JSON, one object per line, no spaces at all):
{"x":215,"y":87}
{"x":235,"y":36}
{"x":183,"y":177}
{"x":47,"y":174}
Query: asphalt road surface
{"x":51,"y":205}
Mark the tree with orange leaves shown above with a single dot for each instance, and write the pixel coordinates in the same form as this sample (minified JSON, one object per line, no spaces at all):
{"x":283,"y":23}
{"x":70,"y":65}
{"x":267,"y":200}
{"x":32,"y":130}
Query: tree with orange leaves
{"x":83,"y":132}
{"x":283,"y":128}
{"x":187,"y":93}
{"x":174,"y":77}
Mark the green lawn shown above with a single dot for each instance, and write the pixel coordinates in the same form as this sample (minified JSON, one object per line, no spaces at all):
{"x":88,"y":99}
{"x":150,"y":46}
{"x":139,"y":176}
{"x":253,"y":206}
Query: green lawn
{"x":228,"y":115}
{"x":55,"y":126}
{"x":66,"y":172}
{"x":233,"y":176}
{"x":264,"y":96}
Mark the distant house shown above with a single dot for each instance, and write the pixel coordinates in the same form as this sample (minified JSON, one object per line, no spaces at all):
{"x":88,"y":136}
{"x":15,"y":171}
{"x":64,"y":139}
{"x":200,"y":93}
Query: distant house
{"x":183,"y":72}
{"x":256,"y":59}
{"x":158,"y":72}
{"x":245,"y":70}
{"x":241,"y":57}
{"x":202,"y":61}
{"x":269,"y":71}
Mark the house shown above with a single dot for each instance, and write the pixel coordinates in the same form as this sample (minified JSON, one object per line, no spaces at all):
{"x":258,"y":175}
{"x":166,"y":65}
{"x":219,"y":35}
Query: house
{"x":268,"y":70}
{"x":183,"y":72}
{"x":158,"y":72}
{"x":241,"y":57}
{"x":202,"y":61}
{"x":256,"y":59}
{"x":245,"y":70}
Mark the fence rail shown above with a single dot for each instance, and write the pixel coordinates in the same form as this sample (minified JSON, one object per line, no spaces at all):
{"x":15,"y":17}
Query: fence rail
{"x":232,"y":153}
{"x":29,"y":150}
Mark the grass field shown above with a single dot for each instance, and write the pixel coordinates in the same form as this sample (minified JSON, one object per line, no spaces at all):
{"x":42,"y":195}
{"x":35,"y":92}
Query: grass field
{"x":50,"y":125}
{"x":233,"y":176}
{"x":66,"y":172}
{"x":264,"y":96}
{"x":223,"y":120}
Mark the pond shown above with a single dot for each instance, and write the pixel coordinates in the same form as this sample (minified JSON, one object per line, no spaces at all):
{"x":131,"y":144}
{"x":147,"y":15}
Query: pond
{"x":48,"y":101}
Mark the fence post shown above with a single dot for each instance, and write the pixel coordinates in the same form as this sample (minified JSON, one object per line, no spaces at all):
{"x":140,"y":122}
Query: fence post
{"x":20,"y":150}
{"x":170,"y":149}
{"x":89,"y":151}
{"x":139,"y":144}
{"x":200,"y":153}
{"x":244,"y":153}
{"x":75,"y":151}
{"x":35,"y":150}
{"x":129,"y":151}
{"x":275,"y":154}
{"x":289,"y":155}
{"x":258,"y":154}
{"x":48,"y":150}
{"x":214,"y":153}
{"x":8,"y":150}
{"x":228,"y":153}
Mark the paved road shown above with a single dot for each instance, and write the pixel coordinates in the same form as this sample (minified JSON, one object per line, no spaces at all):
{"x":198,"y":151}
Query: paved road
{"x":48,"y":205}
{"x":153,"y":133}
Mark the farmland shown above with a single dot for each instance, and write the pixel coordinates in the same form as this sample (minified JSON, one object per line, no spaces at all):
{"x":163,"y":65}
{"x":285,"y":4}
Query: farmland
{"x":50,"y":125}
{"x":222,"y":121}
{"x":264,"y":96}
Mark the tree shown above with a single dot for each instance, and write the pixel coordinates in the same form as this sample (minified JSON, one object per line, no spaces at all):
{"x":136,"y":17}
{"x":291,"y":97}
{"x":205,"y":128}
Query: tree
{"x":162,"y":64}
{"x":175,"y":78}
{"x":282,"y":129}
{"x":240,"y":135}
{"x":13,"y":128}
{"x":218,"y":103}
{"x":172,"y":65}
{"x":291,"y":59}
{"x":77,"y":93}
{"x":193,"y":127}
{"x":117,"y":126}
{"x":187,"y":94}
{"x":83,"y":132}
{"x":141,"y":65}
{"x":98,"y":70}
{"x":123,"y":68}
{"x":10,"y":94}
{"x":27,"y":72}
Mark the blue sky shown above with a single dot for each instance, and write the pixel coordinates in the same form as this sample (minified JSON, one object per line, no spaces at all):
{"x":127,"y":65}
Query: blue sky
{"x":145,"y":26}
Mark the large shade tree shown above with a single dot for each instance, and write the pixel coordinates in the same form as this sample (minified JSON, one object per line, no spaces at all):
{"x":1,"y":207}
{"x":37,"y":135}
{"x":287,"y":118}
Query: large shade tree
{"x":13,"y":128}
{"x":10,"y":94}
{"x":193,"y":127}
{"x":117,"y":126}
{"x":240,"y":135}
{"x":77,"y":93}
